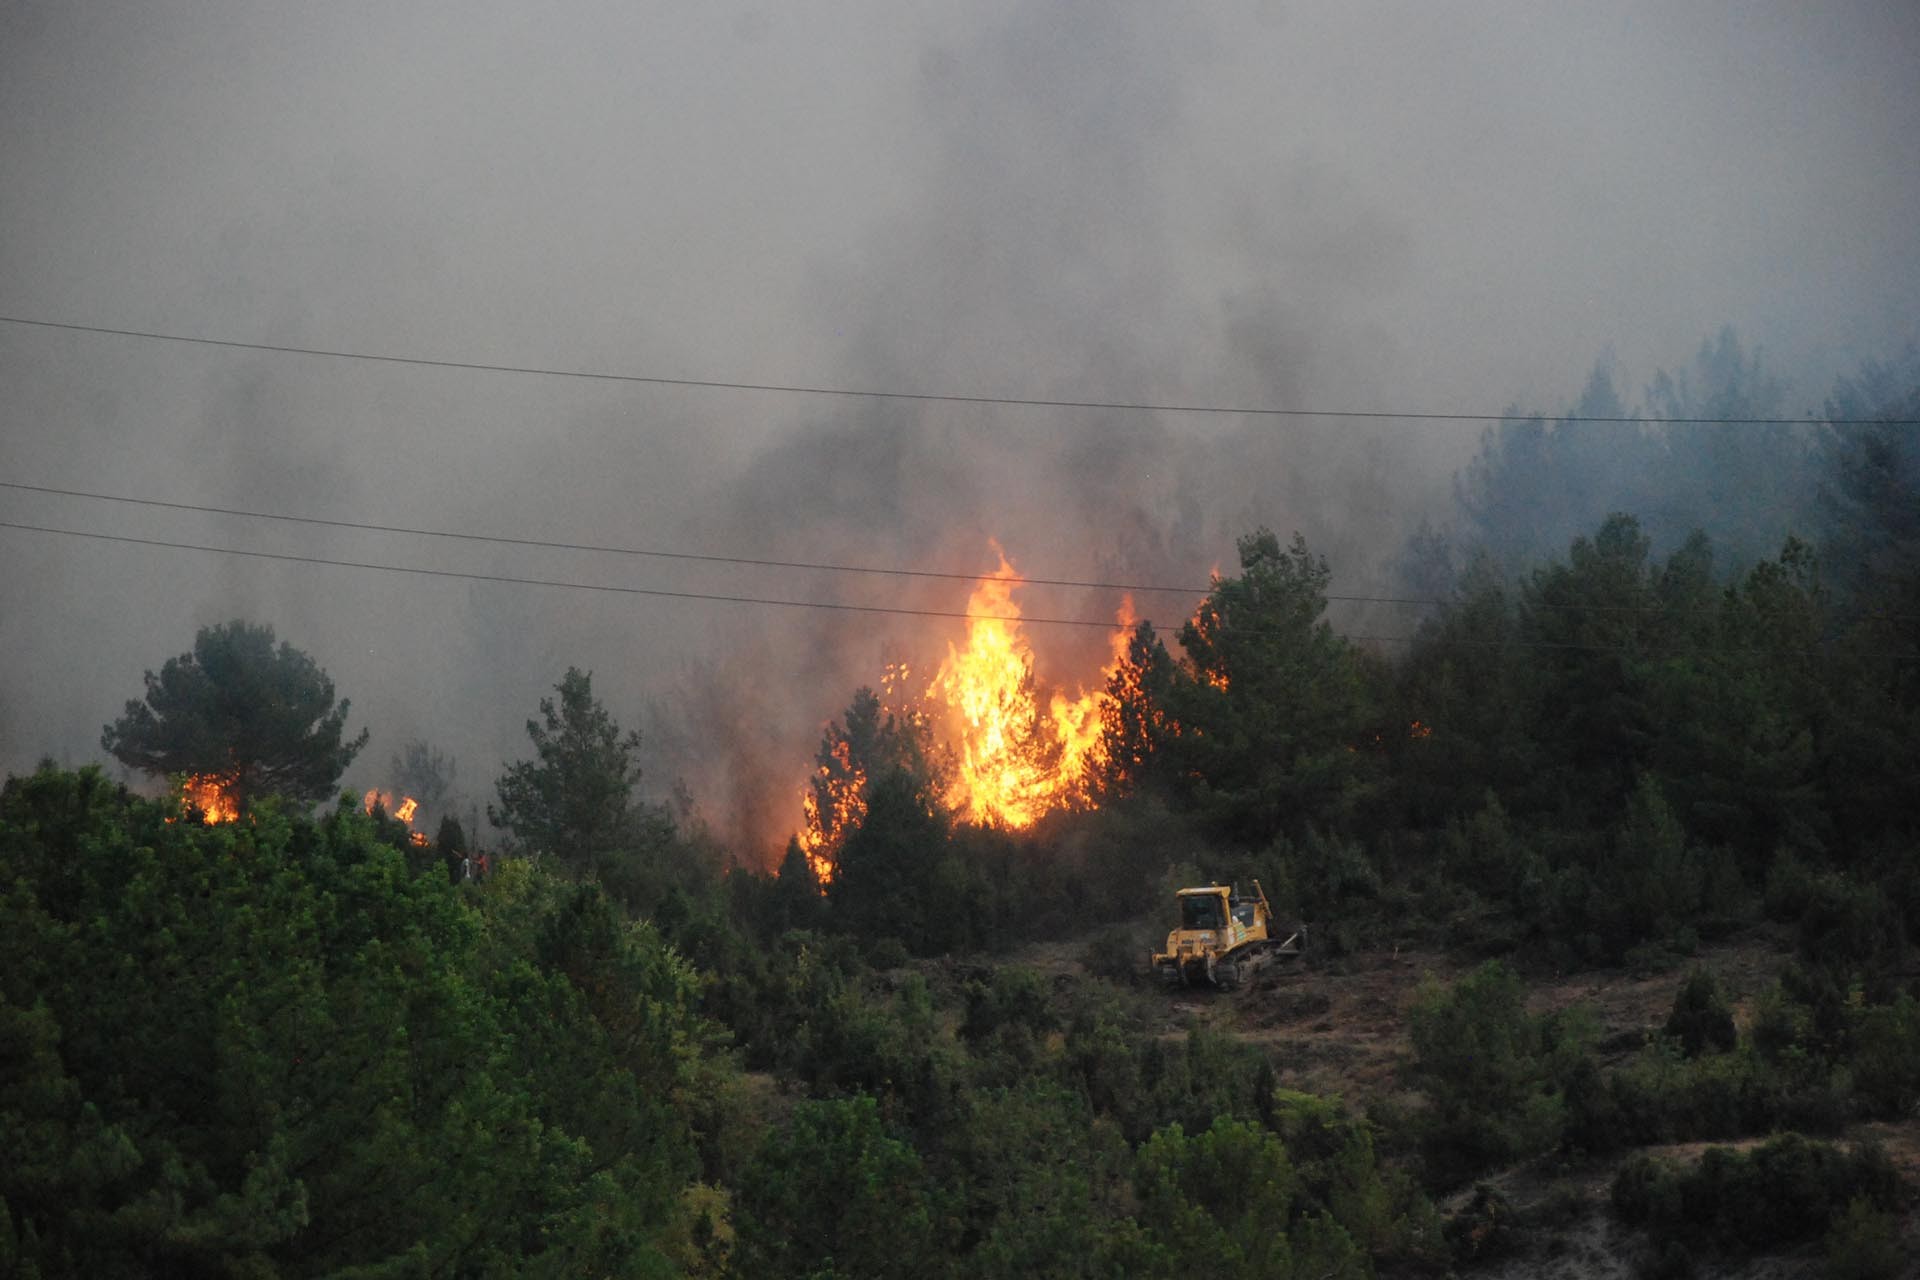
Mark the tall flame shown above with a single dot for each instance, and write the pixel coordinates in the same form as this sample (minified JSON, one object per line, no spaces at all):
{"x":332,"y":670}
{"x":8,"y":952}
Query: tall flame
{"x":1077,"y":720}
{"x":1016,"y":764}
{"x":1008,"y":760}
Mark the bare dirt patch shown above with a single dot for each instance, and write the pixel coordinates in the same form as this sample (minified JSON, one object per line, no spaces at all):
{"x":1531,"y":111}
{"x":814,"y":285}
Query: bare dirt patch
{"x":1338,"y":1026}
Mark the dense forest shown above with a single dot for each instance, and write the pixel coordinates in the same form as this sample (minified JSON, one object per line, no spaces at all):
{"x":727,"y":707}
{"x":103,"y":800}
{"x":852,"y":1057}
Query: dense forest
{"x":586,"y":1041}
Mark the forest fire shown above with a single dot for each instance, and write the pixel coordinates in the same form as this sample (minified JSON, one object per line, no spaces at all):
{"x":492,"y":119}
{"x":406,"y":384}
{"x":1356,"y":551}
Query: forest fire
{"x":404,"y":811}
{"x":212,"y":795}
{"x":832,"y":806}
{"x":1013,"y":764}
{"x":1001,"y":754}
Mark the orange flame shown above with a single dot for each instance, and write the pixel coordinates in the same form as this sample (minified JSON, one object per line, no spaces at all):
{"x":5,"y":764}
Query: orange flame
{"x":404,"y":811}
{"x":1014,"y":764}
{"x":1203,"y":622}
{"x":843,"y":785}
{"x":212,"y":795}
{"x":1011,"y":761}
{"x":1078,"y":721}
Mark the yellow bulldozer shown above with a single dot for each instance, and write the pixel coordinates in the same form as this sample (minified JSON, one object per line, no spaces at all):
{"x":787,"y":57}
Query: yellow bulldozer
{"x":1223,"y":938}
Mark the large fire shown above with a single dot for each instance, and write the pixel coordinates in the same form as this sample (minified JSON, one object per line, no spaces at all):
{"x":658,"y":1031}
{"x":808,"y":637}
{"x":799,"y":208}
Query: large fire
{"x":404,"y":811}
{"x":1008,"y":757}
{"x":212,"y":795}
{"x":1014,"y":763}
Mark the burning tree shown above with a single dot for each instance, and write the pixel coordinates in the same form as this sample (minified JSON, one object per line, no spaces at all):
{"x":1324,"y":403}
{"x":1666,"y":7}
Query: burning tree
{"x":1018,"y":758}
{"x":381,"y":806}
{"x":241,"y":719}
{"x":985,"y":740}
{"x":424,"y":773}
{"x":1134,"y":724}
{"x":867,"y":741}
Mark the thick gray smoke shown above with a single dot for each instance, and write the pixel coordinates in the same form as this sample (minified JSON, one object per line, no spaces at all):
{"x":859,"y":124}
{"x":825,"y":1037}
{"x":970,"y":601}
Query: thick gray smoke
{"x":1292,"y":206}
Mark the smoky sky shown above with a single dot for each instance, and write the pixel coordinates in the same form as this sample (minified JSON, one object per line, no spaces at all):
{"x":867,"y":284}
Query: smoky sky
{"x":1357,"y":206}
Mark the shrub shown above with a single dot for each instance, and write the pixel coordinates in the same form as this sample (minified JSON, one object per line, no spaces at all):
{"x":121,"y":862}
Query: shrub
{"x":1495,"y":1075}
{"x":832,"y":1191}
{"x":1647,"y":1189}
{"x":1782,"y":1193}
{"x":1701,"y":1020}
{"x":1789,"y":885}
{"x":1864,"y":1243}
{"x":1886,"y":1056}
{"x":1483,"y":1229}
{"x":888,"y":953}
{"x":1850,"y":928}
{"x":1011,"y":994}
{"x":1483,"y":853}
{"x":1117,"y":953}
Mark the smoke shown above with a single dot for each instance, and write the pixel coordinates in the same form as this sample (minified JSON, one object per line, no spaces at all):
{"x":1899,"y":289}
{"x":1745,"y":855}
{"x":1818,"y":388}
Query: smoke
{"x":1045,"y":150}
{"x":1291,"y":206}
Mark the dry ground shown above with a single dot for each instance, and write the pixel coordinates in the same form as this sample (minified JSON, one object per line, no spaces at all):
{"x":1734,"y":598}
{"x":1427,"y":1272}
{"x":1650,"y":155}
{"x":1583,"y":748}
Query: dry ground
{"x":1339,"y":1027}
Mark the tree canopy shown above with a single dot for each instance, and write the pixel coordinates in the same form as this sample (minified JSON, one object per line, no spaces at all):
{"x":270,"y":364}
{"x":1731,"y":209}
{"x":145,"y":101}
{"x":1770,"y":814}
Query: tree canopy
{"x":574,"y":801}
{"x":270,"y":1049}
{"x":1274,"y":703}
{"x":261,"y":719}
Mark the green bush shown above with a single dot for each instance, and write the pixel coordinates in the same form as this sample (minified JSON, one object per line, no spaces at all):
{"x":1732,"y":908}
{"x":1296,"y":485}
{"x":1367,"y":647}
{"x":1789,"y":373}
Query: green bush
{"x":1495,"y":1075}
{"x":1118,"y":953}
{"x":1342,"y":1175}
{"x":1484,"y":853}
{"x":1483,"y":1229}
{"x":1850,"y":928}
{"x":888,"y":953}
{"x":1885,"y":1057}
{"x":1782,"y":1193}
{"x":1664,"y":1096}
{"x":1232,"y":1202}
{"x":1701,"y":1021}
{"x":831,"y":1191}
{"x":1790,"y":883}
{"x":1864,"y":1243}
{"x":1009,"y":995}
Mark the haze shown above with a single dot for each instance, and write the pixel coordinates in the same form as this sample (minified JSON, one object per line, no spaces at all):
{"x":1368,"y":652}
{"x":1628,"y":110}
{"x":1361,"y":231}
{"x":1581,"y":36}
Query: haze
{"x":1447,"y":208}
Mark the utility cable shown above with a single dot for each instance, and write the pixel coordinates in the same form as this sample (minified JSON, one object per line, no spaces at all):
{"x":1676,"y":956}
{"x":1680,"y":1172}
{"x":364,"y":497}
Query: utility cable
{"x":832,"y":606}
{"x":598,"y":547}
{"x":809,"y":565}
{"x":539,"y":582}
{"x":930,"y":397}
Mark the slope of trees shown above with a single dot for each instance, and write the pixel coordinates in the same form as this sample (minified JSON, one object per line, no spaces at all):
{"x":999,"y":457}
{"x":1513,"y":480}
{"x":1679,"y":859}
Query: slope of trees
{"x":266,"y":1048}
{"x":291,"y":1045}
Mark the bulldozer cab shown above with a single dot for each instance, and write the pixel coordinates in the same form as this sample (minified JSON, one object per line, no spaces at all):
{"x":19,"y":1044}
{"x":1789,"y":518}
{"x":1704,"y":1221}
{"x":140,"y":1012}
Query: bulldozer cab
{"x":1203,"y":909}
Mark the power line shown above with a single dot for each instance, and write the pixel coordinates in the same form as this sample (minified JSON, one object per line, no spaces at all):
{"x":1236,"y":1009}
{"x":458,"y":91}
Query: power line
{"x":821,"y":566}
{"x":929,"y":397}
{"x":537,"y":582}
{"x":832,"y":606}
{"x":611,"y":550}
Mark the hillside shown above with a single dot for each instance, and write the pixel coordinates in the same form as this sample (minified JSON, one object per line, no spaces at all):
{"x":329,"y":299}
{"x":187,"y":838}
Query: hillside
{"x":1338,"y":1027}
